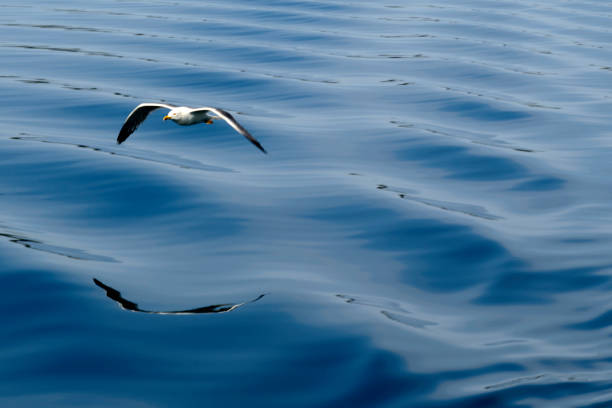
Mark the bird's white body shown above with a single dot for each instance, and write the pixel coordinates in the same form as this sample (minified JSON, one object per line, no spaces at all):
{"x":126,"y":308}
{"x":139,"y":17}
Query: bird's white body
{"x":185,"y":116}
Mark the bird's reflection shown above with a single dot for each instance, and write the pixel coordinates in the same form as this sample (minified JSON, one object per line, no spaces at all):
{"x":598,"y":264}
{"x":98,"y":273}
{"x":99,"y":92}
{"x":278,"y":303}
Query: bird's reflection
{"x":115,"y":295}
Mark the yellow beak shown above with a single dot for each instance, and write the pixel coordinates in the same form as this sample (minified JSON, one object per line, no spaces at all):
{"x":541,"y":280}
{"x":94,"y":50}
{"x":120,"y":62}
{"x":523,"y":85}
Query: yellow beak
{"x":167,"y":117}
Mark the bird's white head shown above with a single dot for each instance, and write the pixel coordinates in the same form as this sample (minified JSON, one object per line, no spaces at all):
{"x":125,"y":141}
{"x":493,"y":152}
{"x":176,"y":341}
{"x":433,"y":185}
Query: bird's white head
{"x":180,"y":115}
{"x":173,"y":115}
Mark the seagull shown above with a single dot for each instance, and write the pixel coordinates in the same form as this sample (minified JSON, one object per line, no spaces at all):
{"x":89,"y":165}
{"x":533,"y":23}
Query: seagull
{"x":183,"y":116}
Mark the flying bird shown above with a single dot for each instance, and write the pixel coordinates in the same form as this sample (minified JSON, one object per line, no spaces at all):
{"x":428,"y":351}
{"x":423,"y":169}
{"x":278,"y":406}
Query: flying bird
{"x":183,"y":116}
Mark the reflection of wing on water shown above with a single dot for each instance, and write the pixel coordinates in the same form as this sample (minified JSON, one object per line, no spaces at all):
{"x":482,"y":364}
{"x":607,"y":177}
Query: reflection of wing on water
{"x":127,"y":305}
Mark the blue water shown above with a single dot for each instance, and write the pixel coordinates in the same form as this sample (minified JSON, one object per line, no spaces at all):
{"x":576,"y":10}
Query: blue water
{"x":430,"y":228}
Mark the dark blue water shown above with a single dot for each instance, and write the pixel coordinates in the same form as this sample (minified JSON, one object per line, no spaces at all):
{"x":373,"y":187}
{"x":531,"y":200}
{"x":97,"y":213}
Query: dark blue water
{"x":431,"y":227}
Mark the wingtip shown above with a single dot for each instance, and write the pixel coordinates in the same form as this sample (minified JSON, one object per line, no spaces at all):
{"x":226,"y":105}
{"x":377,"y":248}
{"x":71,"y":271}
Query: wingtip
{"x":259,"y":146}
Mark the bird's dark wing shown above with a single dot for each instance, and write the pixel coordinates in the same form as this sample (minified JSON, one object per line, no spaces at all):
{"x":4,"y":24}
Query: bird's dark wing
{"x":136,"y":117}
{"x":233,"y":123}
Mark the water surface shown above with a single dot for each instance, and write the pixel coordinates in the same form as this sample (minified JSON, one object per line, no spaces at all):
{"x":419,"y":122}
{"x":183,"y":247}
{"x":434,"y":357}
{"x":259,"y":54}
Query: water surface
{"x":431,"y":226}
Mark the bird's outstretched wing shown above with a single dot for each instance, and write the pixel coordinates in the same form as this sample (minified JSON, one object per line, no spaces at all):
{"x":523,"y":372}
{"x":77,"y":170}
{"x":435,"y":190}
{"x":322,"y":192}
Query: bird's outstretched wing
{"x":136,"y":117}
{"x":233,"y":123}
